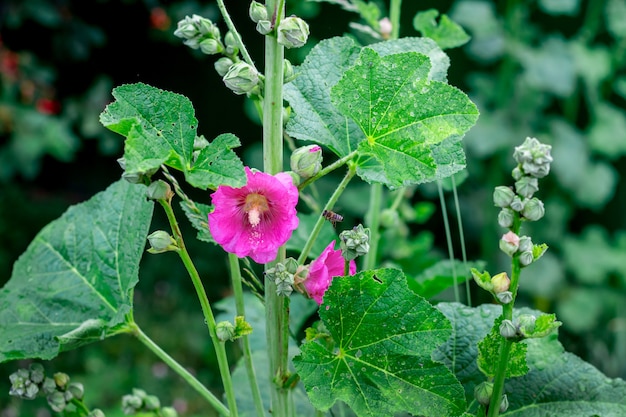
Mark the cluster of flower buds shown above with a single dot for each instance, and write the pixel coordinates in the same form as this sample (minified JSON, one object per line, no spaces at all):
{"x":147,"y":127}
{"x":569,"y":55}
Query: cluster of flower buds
{"x":198,"y":32}
{"x":527,"y":326}
{"x":498,"y":285}
{"x":533,"y":162}
{"x":512,"y":244}
{"x":355,"y":242}
{"x":140,"y":401}
{"x":59,"y":391}
{"x":284,"y":276}
{"x":292,"y":31}
{"x":483,"y":393}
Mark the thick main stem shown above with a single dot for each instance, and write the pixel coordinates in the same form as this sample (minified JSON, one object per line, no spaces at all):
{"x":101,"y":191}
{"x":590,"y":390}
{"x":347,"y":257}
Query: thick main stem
{"x":276,"y":306}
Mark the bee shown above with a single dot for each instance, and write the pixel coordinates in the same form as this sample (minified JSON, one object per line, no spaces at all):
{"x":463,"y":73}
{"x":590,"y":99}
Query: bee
{"x":332,"y":217}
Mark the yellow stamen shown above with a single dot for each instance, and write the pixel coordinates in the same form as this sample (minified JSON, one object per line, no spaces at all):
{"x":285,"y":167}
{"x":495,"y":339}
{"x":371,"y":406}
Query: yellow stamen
{"x":255,"y":206}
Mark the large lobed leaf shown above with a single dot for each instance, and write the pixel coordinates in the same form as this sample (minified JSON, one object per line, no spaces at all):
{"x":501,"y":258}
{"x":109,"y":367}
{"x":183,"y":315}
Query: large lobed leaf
{"x":403,"y":115}
{"x":558,"y":384}
{"x":160,"y":128}
{"x":74,"y":283}
{"x":315,"y":118}
{"x":380,"y":360}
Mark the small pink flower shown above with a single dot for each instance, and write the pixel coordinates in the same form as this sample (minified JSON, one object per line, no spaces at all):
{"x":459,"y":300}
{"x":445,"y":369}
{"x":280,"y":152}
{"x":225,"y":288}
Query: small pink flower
{"x":322,"y":270}
{"x":256,"y":219}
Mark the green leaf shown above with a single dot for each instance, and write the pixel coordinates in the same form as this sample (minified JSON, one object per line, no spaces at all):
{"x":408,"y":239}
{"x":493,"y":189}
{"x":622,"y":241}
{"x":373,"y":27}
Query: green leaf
{"x":74,"y":284}
{"x":446,"y":33}
{"x":489,"y":354}
{"x":379,"y":368}
{"x":558,"y":384}
{"x":314,"y":117}
{"x":160,"y":128}
{"x":403,"y":115}
{"x":440,"y":276}
{"x":198,"y":213}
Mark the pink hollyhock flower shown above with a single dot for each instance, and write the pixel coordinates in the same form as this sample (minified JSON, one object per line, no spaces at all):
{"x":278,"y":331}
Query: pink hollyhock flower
{"x":322,"y":270}
{"x":256,"y":219}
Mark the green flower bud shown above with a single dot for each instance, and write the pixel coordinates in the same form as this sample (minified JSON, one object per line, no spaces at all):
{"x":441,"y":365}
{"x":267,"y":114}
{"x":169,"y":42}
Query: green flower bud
{"x":206,"y":26}
{"x":354,"y":242}
{"x":506,"y":217}
{"x":500,"y":282}
{"x":61,"y":379}
{"x":526,"y":324}
{"x":37,"y":373}
{"x":283,"y":278}
{"x":151,"y":403}
{"x":525,"y":243}
{"x":517,"y":204}
{"x":509,"y":243}
{"x":56,"y":401}
{"x":264,"y":27}
{"x":389,"y":218}
{"x":193,"y":43}
{"x":139,"y":393}
{"x":503,"y":196}
{"x":225,"y":331}
{"x":241,"y":78}
{"x":161,"y":241}
{"x":527,"y":186}
{"x":49,"y":386}
{"x":293,"y":32}
{"x":306,"y":161}
{"x":211,"y":46}
{"x":159,"y":190}
{"x":517,"y":173}
{"x":168,"y":412}
{"x":77,"y":390}
{"x":222,"y":65}
{"x":229,"y":39}
{"x":504,"y":404}
{"x":288,"y":73}
{"x":526,"y":258}
{"x":68,"y":396}
{"x":483,"y":393}
{"x":505,"y":297}
{"x":186,"y":28}
{"x":131,"y":404}
{"x":257,"y":12}
{"x":508,"y":329}
{"x":295,"y":178}
{"x":291,"y":265}
{"x":534,"y":157}
{"x":533,"y":209}
{"x":22,"y":386}
{"x":96,"y":412}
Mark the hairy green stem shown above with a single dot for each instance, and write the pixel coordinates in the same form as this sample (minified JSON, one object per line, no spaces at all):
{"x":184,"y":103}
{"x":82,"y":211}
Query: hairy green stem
{"x":235,"y":274}
{"x":276,"y":306}
{"x":505,"y":346}
{"x":457,"y":207}
{"x":180,"y":370}
{"x":220,"y":349}
{"x":373,"y":223}
{"x":233,"y":30}
{"x":446,"y":226}
{"x":394,"y":17}
{"x":329,"y":205}
{"x":328,"y":169}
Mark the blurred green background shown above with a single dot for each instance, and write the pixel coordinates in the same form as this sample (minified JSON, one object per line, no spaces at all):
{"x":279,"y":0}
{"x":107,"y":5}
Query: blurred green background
{"x":554,"y":69}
